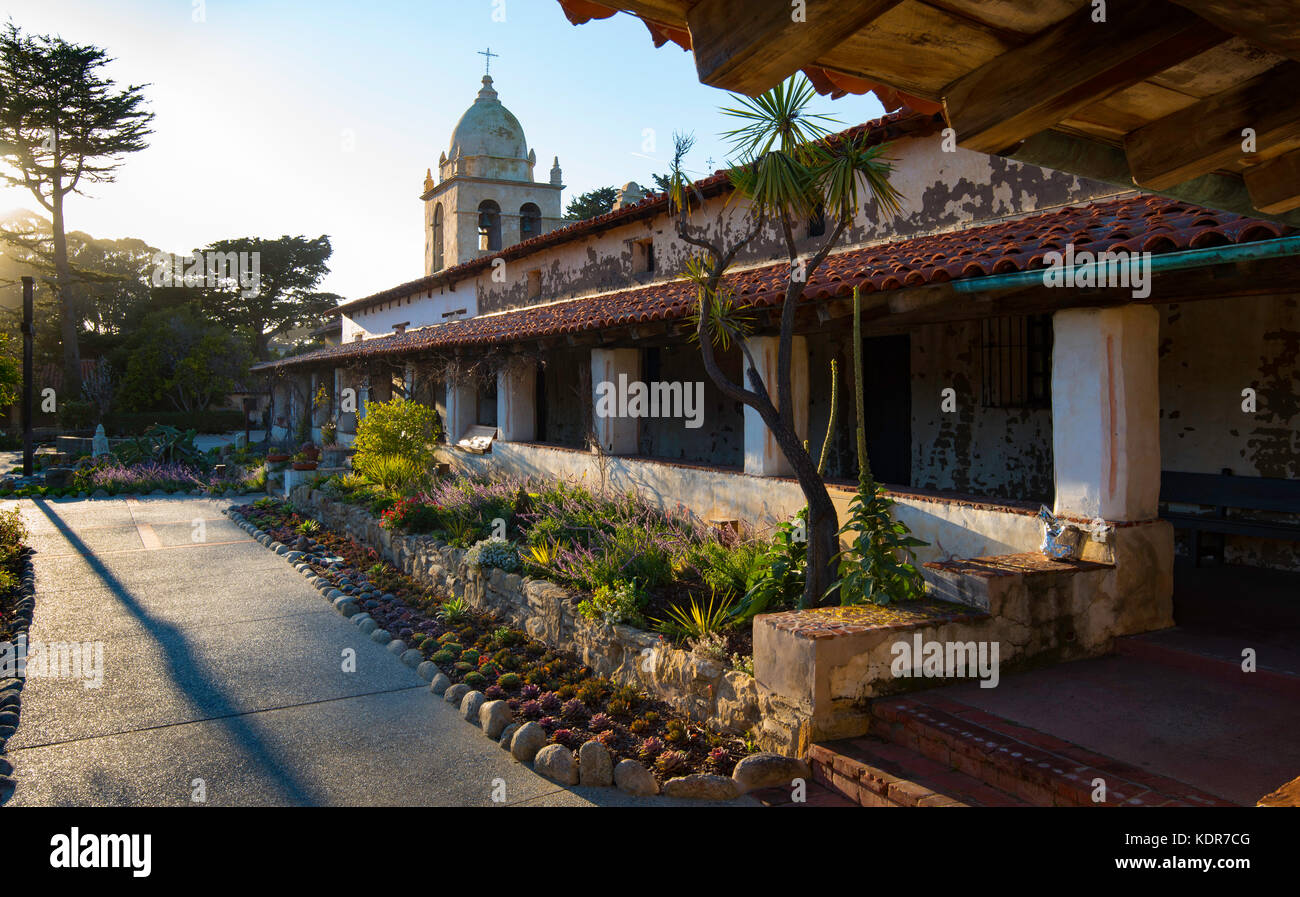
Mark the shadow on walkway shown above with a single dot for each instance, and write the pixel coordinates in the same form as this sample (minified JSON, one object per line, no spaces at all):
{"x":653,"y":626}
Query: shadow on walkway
{"x":186,"y":671}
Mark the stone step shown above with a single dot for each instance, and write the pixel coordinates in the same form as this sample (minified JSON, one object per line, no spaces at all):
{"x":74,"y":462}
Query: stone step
{"x":1037,"y":768}
{"x":873,"y":772}
{"x":815,"y":795}
{"x":999,"y":584}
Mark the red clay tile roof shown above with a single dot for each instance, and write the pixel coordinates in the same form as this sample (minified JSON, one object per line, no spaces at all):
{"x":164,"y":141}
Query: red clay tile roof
{"x":1135,"y":222}
{"x":887,"y":127}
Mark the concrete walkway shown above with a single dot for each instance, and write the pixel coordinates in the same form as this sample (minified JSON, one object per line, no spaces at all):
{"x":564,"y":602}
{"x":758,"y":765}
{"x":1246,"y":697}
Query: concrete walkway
{"x":221,"y":664}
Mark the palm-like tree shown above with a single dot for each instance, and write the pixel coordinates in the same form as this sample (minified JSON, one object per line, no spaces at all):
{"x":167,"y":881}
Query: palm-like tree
{"x":789,"y":168}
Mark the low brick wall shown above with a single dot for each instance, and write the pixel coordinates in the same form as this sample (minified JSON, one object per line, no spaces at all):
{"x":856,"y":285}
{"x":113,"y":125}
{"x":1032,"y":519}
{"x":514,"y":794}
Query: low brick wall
{"x":699,"y":688}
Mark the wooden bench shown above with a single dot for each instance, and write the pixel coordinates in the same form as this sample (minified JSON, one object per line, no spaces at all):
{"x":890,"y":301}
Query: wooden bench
{"x":1222,"y":492}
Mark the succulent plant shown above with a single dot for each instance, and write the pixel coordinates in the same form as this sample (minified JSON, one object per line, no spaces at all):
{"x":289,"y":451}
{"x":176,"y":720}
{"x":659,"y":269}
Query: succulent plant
{"x":549,"y":723}
{"x":567,"y":691}
{"x":474,"y":680}
{"x":590,"y":692}
{"x":550,"y":702}
{"x":672,"y":763}
{"x":609,"y":738}
{"x":650,"y":749}
{"x":720,"y":761}
{"x":442,"y":657}
{"x":463,"y":667}
{"x":675,"y":731}
{"x":566,"y":737}
{"x":618,"y":707}
{"x":494,"y":692}
{"x":530,"y":710}
{"x":535,"y":676}
{"x":639,"y":726}
{"x":600,"y":723}
{"x":574,"y":709}
{"x":528,"y":692}
{"x":509,"y":681}
{"x":469,"y":655}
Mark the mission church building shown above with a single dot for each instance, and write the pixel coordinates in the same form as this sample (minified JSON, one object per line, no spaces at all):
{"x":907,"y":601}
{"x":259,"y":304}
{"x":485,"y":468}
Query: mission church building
{"x":989,"y":392}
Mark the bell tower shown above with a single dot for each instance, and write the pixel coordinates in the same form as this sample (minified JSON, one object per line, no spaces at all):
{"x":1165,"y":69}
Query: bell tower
{"x":484,"y":197}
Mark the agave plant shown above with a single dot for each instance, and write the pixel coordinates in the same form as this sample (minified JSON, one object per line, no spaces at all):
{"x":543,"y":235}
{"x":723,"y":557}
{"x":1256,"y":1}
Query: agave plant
{"x":453,"y":611}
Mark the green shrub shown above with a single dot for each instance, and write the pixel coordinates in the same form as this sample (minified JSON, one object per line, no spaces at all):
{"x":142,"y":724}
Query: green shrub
{"x":398,"y":427}
{"x":394,"y":472}
{"x":619,"y":603}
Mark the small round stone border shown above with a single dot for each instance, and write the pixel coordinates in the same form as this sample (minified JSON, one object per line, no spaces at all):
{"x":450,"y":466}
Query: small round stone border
{"x":11,"y":688}
{"x":590,"y":766}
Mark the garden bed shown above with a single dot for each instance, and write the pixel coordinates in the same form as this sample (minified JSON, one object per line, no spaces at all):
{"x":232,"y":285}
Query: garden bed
{"x":475,"y":649}
{"x":17,"y":602}
{"x":700,"y":688}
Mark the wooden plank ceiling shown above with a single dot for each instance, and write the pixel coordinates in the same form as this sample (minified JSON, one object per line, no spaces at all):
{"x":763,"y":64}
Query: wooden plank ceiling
{"x":1199,"y":98}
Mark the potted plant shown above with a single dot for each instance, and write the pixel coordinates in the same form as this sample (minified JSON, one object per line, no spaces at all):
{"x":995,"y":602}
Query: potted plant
{"x":302,"y":462}
{"x":309,"y":451}
{"x":277,"y":456}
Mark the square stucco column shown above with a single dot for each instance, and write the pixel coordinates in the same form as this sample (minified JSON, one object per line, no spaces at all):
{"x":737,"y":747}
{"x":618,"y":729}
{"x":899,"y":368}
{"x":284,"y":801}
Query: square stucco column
{"x":517,"y":404}
{"x":763,"y":457}
{"x":617,"y":435}
{"x":1106,"y":412}
{"x":462,"y":410}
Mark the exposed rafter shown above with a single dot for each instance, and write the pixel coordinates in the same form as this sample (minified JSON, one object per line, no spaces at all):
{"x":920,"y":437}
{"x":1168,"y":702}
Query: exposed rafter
{"x":1218,"y":131}
{"x":1069,"y":66}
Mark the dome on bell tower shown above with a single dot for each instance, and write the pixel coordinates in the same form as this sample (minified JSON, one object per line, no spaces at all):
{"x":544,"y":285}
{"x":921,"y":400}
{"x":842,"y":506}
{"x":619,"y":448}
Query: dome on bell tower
{"x":488,"y":129}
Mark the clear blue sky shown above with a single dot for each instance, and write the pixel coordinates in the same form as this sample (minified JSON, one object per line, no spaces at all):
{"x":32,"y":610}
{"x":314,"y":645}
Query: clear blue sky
{"x":321,"y":117}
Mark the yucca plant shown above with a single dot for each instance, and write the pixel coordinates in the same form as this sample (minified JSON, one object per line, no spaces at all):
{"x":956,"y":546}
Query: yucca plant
{"x":542,"y":555}
{"x":787,"y":168}
{"x":697,"y":620}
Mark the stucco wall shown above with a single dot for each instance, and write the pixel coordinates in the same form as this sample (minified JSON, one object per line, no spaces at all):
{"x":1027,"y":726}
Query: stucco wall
{"x":973,"y":448}
{"x":952,"y":528}
{"x":1209,"y":352}
{"x":419,"y":311}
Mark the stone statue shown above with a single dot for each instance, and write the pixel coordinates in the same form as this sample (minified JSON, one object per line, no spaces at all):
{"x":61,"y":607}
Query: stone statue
{"x":99,"y":444}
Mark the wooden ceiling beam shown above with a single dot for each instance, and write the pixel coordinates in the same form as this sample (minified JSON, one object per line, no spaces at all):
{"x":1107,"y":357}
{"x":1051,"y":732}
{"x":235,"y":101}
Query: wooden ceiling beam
{"x":749,"y":46}
{"x":1275,"y":185}
{"x":1270,"y":24}
{"x":1210,"y":134}
{"x":1069,"y":66}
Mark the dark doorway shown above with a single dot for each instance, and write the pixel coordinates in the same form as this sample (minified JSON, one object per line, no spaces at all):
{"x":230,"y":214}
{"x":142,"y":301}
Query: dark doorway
{"x":887,"y":382}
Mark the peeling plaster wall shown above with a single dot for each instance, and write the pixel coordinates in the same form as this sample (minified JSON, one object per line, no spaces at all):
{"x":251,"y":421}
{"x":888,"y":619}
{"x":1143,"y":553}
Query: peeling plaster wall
{"x":941,"y":191}
{"x":1209,"y":352}
{"x":977,"y":450}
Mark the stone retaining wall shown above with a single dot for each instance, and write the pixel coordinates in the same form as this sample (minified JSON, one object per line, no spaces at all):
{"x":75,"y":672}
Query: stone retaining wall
{"x":696,"y":687}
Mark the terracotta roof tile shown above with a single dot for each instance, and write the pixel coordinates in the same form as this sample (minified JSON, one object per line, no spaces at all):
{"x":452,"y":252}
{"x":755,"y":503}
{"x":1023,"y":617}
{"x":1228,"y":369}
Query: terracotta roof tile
{"x":1135,"y":222}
